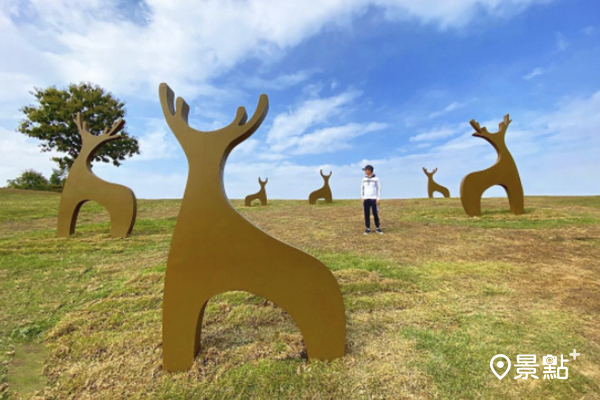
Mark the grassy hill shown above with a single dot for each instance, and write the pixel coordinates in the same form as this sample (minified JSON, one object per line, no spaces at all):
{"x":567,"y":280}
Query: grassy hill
{"x":428,"y":304}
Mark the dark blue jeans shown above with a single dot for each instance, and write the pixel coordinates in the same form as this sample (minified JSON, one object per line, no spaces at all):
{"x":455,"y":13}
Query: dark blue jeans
{"x":369,"y":204}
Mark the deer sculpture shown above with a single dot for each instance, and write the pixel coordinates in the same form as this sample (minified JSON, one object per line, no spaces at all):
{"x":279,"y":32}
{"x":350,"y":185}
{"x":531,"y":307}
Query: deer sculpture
{"x":433,"y":186}
{"x":215,"y":249}
{"x":322,"y":193}
{"x":83,"y":185}
{"x":260,"y":195}
{"x":504,"y":173}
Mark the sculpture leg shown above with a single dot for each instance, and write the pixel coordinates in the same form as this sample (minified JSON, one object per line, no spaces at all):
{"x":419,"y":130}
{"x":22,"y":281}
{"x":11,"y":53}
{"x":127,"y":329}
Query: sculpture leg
{"x":516,"y":199}
{"x":68,"y":211}
{"x":122,"y":211}
{"x":472,"y":205}
{"x":471,"y":190}
{"x":182,"y":328}
{"x":308,"y":291}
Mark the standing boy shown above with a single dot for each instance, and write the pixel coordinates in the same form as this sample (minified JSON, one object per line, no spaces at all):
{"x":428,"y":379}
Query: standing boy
{"x":370,"y":193}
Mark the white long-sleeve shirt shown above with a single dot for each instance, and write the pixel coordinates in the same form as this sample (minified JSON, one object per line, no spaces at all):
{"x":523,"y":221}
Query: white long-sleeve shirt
{"x":370,"y":188}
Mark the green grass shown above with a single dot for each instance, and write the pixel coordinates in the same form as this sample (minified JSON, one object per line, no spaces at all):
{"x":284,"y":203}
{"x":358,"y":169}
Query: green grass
{"x":26,"y":374}
{"x":428,"y":304}
{"x":495,"y":213}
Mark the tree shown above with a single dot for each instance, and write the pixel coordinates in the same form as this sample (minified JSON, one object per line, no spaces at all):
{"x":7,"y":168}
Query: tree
{"x":51,"y":121}
{"x":29,"y":179}
{"x":57,"y":179}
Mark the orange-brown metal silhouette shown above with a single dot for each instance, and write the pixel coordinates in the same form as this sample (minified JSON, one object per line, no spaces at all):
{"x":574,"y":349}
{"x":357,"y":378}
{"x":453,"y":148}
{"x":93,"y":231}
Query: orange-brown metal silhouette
{"x":215,"y":250}
{"x":322,"y":193}
{"x":260,"y":195}
{"x":82,"y":185}
{"x":504,"y":173}
{"x":433,"y":186}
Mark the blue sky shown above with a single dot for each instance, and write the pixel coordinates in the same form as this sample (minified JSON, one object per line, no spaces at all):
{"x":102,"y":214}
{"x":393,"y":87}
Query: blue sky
{"x":391,"y":83}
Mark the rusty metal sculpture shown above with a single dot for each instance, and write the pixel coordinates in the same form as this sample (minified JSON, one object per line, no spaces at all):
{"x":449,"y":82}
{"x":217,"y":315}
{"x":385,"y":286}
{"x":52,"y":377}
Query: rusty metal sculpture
{"x":504,"y":173}
{"x":433,"y":186}
{"x":260,"y":195}
{"x":322,"y":193}
{"x":83,"y":185}
{"x":215,"y":250}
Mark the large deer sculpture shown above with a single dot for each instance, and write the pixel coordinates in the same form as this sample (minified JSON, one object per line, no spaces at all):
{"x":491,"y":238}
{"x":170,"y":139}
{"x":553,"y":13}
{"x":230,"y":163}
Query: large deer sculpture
{"x":322,"y":193}
{"x":215,"y":250}
{"x":83,"y":185}
{"x":433,"y":186}
{"x":504,"y":173}
{"x":260,"y":195}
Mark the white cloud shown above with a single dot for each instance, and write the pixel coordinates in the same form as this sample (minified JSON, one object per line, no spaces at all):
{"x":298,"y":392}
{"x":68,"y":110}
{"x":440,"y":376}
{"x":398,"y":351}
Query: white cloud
{"x":561,"y":42}
{"x":268,"y":156}
{"x":145,"y":183}
{"x":550,"y":148}
{"x":332,"y":139}
{"x":280,"y":82}
{"x":287,"y":128}
{"x":158,"y":144}
{"x":589,"y":30}
{"x":249,"y":146}
{"x":20,"y":153}
{"x":187,"y":42}
{"x":576,"y":122}
{"x":454,"y":13}
{"x":535,"y":72}
{"x":450,"y":107}
{"x":438,"y":133}
{"x":313,"y":127}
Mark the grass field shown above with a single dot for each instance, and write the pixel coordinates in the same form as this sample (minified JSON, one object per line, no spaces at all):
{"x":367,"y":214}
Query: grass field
{"x":428,"y":304}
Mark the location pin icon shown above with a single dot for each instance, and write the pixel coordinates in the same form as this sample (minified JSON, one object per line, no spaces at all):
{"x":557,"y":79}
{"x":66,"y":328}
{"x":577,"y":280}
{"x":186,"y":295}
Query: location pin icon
{"x":499,"y":365}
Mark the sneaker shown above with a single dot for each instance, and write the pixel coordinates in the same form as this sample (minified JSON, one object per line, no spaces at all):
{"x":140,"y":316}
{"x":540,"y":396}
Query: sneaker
{"x":378,"y":230}
{"x":367,"y":231}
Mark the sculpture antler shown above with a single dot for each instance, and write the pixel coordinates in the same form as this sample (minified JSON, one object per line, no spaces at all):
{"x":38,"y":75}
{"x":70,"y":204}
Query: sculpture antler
{"x":263,"y":183}
{"x":241,"y":128}
{"x":107,"y":133}
{"x":238,"y":130}
{"x":502,"y":126}
{"x":81,"y":125}
{"x":478,"y":128}
{"x":114,"y":129}
{"x":326,"y":176}
{"x":172,"y":113}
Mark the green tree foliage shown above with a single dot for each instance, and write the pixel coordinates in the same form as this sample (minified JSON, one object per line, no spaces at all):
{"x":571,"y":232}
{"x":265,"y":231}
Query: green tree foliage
{"x":29,"y":179}
{"x":51,"y":121}
{"x":57,"y":179}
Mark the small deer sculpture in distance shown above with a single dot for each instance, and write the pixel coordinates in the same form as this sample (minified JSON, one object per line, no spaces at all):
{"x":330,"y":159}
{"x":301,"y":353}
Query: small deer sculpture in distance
{"x":322,"y":193}
{"x":260,"y":195}
{"x":83,"y":185}
{"x":215,"y":250}
{"x":433,"y":186}
{"x":504,"y":173}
